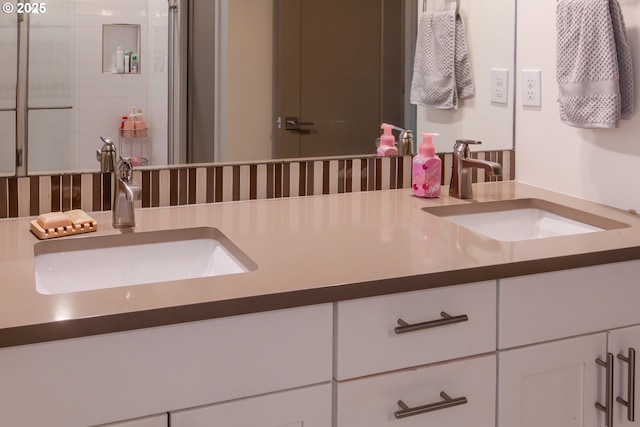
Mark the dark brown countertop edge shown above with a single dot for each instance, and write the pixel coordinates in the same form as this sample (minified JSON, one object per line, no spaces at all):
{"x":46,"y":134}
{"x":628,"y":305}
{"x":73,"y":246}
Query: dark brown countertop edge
{"x":76,"y":328}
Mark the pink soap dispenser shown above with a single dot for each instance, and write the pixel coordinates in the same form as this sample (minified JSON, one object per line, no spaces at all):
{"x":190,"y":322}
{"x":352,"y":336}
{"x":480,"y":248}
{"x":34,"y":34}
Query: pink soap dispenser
{"x":426,"y":173}
{"x":387,"y":142}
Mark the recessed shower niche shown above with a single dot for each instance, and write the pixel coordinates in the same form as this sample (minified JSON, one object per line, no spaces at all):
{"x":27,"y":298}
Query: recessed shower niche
{"x":121,"y":49}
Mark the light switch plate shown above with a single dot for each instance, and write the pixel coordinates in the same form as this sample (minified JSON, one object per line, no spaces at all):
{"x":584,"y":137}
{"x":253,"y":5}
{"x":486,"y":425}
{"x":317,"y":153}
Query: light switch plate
{"x":499,"y":86}
{"x":531,"y":88}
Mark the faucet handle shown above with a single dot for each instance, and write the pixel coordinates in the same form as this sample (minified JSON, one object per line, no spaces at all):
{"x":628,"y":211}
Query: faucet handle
{"x":462,"y":146}
{"x":468,"y":141}
{"x":125,"y":167}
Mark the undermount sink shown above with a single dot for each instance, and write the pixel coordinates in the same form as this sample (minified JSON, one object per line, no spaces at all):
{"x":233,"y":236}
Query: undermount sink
{"x":90,"y":263}
{"x":523,"y":219}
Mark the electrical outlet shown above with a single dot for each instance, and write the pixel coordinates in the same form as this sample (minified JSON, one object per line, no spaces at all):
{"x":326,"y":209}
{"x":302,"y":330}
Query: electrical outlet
{"x":531,"y":88}
{"x":499,"y":86}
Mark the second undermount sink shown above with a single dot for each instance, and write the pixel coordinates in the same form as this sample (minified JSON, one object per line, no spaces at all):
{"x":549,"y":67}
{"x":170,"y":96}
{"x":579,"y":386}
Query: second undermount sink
{"x":90,"y":263}
{"x":523,"y":219}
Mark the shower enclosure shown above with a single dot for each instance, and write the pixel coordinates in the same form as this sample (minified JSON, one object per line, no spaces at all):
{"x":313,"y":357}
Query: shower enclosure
{"x":59,"y":91}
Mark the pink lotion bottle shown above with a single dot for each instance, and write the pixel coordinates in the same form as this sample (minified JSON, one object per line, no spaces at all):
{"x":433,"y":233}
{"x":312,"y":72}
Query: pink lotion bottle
{"x":426,"y":170}
{"x":387,"y":142}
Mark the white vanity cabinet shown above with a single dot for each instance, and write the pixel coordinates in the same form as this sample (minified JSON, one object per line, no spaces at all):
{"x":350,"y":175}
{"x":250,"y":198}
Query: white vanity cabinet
{"x":623,"y":345}
{"x":434,"y":350}
{"x":127,"y":375}
{"x":306,"y":407}
{"x":554,"y":384}
{"x":450,"y":394}
{"x":559,"y":337}
{"x":161,"y":420}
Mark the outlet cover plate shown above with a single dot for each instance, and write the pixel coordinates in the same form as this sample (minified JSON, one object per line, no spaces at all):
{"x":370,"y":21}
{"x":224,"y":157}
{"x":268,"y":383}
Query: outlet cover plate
{"x":499,"y":86}
{"x":532,"y":88}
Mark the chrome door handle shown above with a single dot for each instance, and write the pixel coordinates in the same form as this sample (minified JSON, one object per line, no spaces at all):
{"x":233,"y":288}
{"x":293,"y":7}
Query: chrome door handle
{"x":608,"y":408}
{"x":447,"y":319}
{"x":630,"y":403}
{"x":292,"y":123}
{"x":448,"y":402}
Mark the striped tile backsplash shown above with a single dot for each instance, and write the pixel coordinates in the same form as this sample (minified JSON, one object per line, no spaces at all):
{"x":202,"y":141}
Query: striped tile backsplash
{"x":31,"y":196}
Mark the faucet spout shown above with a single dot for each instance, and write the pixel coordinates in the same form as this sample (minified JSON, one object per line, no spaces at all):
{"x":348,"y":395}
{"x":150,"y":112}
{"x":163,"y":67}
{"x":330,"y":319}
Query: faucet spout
{"x":126,"y":192}
{"x":491,"y":168}
{"x":460,"y":171}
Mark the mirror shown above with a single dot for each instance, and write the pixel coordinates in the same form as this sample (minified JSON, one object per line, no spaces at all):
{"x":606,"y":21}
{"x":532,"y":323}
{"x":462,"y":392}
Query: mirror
{"x":74,"y":93}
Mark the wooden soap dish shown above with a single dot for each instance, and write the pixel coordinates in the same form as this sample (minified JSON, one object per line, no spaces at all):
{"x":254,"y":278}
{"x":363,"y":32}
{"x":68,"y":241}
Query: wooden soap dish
{"x":80,"y":223}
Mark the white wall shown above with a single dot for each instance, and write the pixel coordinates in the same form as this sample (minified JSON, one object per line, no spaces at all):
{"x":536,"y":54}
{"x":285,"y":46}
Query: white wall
{"x":601,"y":165}
{"x":489,"y":26}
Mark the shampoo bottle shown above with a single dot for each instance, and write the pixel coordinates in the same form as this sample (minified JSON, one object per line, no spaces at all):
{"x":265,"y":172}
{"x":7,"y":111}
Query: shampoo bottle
{"x":426,"y":173}
{"x":127,"y":61}
{"x":119,"y":60}
{"x":387,"y":142}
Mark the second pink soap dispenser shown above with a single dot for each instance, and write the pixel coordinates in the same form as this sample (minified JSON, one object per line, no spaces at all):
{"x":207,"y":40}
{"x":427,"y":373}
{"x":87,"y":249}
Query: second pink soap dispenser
{"x":387,"y":142}
{"x":426,"y":169}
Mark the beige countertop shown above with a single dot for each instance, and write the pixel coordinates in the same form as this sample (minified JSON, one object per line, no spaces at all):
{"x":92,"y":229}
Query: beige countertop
{"x":309,"y":250}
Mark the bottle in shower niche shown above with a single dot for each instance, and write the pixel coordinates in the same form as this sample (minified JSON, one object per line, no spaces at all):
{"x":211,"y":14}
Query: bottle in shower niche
{"x":140,"y":126}
{"x":119,"y":60}
{"x":426,"y":173}
{"x":127,"y":61}
{"x":134,"y":62}
{"x":128,"y":126}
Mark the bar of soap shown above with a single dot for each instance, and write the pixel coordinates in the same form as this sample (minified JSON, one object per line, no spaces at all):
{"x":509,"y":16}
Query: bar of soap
{"x":54,"y":220}
{"x":78,"y":217}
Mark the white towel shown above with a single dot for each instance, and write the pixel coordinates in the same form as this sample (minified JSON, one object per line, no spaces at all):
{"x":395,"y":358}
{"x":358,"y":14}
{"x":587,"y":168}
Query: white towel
{"x":594,"y":66}
{"x":442,"y":68}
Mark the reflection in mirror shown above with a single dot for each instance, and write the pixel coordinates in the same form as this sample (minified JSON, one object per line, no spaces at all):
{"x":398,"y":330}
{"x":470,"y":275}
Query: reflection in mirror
{"x":490,"y":29}
{"x":311,"y":82}
{"x":67,"y":92}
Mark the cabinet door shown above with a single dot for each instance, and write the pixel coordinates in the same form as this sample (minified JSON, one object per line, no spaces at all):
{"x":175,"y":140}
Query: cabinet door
{"x":623,"y":343}
{"x":161,"y":420}
{"x":552,"y":385}
{"x":308,"y":407}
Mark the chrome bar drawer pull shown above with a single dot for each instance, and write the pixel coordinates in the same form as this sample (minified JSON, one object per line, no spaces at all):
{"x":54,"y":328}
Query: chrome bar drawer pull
{"x":608,"y":408}
{"x":630,"y":403}
{"x":447,"y":319}
{"x":448,"y":402}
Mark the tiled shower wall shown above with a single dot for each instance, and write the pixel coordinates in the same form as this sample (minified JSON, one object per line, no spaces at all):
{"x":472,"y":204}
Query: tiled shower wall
{"x":31,"y":196}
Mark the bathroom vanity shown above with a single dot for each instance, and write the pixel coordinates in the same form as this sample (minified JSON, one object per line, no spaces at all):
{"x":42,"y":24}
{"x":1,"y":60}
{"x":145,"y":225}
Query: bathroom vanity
{"x":364,"y":310}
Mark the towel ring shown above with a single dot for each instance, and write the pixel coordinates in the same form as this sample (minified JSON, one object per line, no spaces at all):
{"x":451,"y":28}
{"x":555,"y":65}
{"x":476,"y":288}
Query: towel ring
{"x":424,"y":6}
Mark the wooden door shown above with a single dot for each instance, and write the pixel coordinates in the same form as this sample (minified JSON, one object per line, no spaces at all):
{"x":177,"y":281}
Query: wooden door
{"x":338,"y":65}
{"x":553,"y":385}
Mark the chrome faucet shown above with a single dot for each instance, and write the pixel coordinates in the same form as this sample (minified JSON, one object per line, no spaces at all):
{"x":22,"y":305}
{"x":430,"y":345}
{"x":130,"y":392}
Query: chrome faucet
{"x":461,"y":169}
{"x":125,"y":193}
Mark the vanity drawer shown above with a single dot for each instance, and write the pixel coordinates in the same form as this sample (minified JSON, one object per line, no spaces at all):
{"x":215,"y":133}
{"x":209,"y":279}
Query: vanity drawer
{"x":124,"y":375}
{"x":560,"y":304}
{"x":367,"y":341}
{"x":373,"y":401}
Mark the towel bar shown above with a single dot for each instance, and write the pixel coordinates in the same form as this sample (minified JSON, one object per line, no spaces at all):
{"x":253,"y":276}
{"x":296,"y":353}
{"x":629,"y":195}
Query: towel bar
{"x":424,"y":6}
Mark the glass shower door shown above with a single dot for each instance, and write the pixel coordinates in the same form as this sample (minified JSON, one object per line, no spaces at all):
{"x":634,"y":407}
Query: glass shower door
{"x":51,"y":89}
{"x":8,"y":69}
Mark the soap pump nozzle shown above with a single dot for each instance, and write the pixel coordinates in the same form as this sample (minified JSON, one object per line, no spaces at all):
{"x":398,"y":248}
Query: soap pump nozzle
{"x":427,"y":147}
